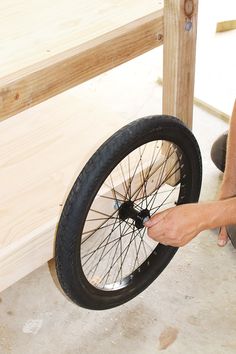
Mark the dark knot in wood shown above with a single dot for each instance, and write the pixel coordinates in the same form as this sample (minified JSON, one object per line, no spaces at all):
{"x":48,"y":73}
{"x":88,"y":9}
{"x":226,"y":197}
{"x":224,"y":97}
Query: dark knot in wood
{"x":188,"y":8}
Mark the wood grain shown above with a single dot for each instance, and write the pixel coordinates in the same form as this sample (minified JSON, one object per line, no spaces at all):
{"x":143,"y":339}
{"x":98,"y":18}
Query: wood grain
{"x":42,"y":150}
{"x":226,"y":26}
{"x":180,"y":30}
{"x":44,"y":79}
{"x":32,"y":31}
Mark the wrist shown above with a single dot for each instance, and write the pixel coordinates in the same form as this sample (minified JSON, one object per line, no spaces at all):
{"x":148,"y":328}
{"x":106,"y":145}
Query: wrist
{"x":227,"y":189}
{"x":207,"y":214}
{"x":229,"y":181}
{"x":221,"y":213}
{"x":213,"y":215}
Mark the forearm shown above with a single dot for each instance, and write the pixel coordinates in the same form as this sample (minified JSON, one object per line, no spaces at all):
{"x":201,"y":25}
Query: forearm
{"x":230,"y":167}
{"x":219,"y":213}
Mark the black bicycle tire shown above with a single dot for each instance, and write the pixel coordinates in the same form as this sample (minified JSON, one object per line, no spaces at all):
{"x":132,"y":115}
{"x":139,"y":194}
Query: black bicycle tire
{"x":69,"y":271}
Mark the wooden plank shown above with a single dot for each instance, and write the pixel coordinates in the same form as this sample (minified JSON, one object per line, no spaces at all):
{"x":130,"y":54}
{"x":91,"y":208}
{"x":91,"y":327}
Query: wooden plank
{"x":180,"y":30}
{"x":53,"y":27}
{"x":226,"y":26}
{"x":212,"y":110}
{"x":42,"y":150}
{"x":19,"y":259}
{"x":34,"y":84}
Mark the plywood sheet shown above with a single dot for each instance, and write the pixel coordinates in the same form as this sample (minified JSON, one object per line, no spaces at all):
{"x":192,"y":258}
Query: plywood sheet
{"x":47,"y":48}
{"x":31,"y":31}
{"x":41,"y":152}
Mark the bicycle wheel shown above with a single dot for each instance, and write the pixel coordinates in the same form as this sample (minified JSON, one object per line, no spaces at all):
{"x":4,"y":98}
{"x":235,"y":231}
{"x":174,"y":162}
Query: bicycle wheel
{"x":102,"y":252}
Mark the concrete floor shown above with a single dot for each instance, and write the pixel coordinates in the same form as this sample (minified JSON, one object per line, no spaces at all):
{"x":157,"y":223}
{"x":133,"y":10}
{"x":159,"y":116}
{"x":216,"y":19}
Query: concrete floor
{"x":190,"y":308}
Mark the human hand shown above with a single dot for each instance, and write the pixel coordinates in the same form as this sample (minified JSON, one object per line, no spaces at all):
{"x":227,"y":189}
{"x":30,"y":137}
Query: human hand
{"x":179,"y":225}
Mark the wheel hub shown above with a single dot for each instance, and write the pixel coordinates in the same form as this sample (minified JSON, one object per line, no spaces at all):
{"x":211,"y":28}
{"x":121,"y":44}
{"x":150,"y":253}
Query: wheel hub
{"x":127,"y":211}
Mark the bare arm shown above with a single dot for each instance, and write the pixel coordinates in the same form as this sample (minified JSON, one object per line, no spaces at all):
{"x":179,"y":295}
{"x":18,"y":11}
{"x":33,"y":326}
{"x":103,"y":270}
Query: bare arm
{"x":177,"y":226}
{"x":228,"y":187}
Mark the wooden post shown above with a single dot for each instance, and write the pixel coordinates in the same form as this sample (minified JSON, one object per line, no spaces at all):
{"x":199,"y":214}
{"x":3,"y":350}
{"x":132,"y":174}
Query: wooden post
{"x":180,"y":31}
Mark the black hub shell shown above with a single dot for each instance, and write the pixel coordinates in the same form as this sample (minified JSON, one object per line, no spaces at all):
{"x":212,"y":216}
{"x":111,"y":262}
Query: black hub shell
{"x":127,"y":211}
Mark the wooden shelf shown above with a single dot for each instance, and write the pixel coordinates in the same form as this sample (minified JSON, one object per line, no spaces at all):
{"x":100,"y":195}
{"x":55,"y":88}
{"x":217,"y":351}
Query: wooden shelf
{"x":57,"y":45}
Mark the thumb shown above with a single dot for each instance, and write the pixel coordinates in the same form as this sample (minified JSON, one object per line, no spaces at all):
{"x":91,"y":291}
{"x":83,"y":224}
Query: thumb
{"x":155,"y":219}
{"x":223,"y":237}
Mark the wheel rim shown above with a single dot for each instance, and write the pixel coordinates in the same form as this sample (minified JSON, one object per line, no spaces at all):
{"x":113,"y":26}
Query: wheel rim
{"x":114,"y":246}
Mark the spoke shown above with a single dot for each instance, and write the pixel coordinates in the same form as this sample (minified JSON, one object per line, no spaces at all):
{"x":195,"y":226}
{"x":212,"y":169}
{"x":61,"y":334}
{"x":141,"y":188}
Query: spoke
{"x":153,"y":161}
{"x":135,"y":242}
{"x":102,"y":253}
{"x":153,"y":154}
{"x":153,"y":198}
{"x":102,"y":256}
{"x":138,"y":250}
{"x":159,"y":183}
{"x":105,"y":197}
{"x":160,"y":192}
{"x":98,"y":229}
{"x":151,"y":248}
{"x":125,"y":250}
{"x":124,"y":182}
{"x":163,"y":182}
{"x":144,"y":185}
{"x":109,"y":217}
{"x":131,"y":180}
{"x":121,"y":253}
{"x":100,"y":247}
{"x":108,"y":275}
{"x":99,"y":212}
{"x":122,"y":261}
{"x":112,"y":263}
{"x":163,"y":203}
{"x":114,"y":191}
{"x":106,"y":239}
{"x":133,"y":196}
{"x":148,"y":175}
{"x":143,"y":243}
{"x":129,"y":189}
{"x":113,"y":187}
{"x":99,"y":219}
{"x":158,"y":207}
